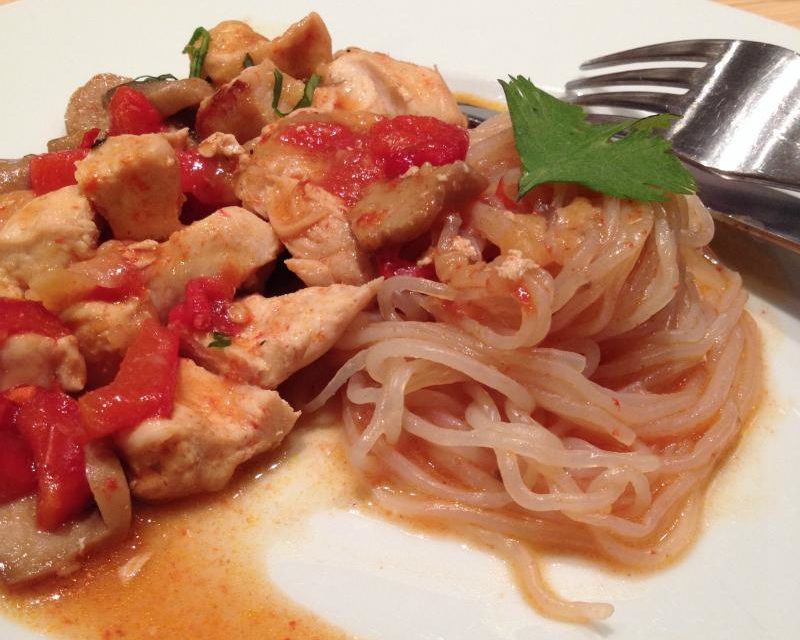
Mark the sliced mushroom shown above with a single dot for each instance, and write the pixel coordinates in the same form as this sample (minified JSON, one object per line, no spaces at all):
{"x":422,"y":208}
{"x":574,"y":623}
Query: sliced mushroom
{"x":171,"y":96}
{"x":401,"y":210}
{"x":15,"y":174}
{"x":86,"y":109}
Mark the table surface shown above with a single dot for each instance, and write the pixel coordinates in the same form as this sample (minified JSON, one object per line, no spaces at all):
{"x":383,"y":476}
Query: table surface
{"x":786,"y":11}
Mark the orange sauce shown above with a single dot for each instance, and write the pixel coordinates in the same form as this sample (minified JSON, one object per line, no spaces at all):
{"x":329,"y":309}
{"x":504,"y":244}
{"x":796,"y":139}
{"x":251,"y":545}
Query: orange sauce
{"x":202,"y":572}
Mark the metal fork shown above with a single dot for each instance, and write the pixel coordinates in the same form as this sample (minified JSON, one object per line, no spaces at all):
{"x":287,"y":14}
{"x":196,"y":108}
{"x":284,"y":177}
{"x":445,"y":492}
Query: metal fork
{"x":740,"y":109}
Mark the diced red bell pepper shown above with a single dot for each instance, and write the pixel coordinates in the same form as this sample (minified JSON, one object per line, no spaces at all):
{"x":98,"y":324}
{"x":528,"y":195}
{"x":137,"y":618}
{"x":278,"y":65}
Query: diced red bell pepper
{"x":17,"y":473}
{"x":144,"y":387}
{"x":205,"y":307}
{"x":131,"y":112}
{"x":89,"y":138}
{"x":26,"y":316}
{"x":51,"y":171}
{"x":210,"y":180}
{"x":48,"y":420}
{"x":410,"y":141}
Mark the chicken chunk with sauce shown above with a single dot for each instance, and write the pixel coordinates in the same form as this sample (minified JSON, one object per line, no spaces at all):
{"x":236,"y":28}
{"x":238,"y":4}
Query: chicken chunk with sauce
{"x":49,"y":232}
{"x":30,"y":358}
{"x":135,"y":184}
{"x":216,"y":425}
{"x":359,"y":80}
{"x":284,"y":333}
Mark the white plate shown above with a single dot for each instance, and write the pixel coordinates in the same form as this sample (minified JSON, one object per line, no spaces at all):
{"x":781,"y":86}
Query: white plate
{"x":374,"y":579}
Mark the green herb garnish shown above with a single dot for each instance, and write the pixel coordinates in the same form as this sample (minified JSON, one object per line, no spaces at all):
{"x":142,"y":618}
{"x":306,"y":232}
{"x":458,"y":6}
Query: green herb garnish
{"x":220,"y":340}
{"x":197,"y":48}
{"x":557,"y":144}
{"x":248,"y":61}
{"x":305,"y":101}
{"x":136,"y":82}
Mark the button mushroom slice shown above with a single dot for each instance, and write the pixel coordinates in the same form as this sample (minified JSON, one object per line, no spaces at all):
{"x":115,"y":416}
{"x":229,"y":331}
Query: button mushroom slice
{"x":302,"y":48}
{"x":30,"y":358}
{"x":243,"y":106}
{"x":359,"y":80}
{"x":231,"y":41}
{"x":49,"y":232}
{"x":401,"y":210}
{"x":282,"y":334}
{"x":86,"y":108}
{"x":28,"y":554}
{"x":15,"y":175}
{"x":231,"y":242}
{"x":215,"y":426}
{"x":134,"y":183}
{"x":171,"y":96}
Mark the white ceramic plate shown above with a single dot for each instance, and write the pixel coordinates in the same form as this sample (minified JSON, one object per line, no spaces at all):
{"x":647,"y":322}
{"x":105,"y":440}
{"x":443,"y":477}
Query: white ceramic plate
{"x":374,"y":579}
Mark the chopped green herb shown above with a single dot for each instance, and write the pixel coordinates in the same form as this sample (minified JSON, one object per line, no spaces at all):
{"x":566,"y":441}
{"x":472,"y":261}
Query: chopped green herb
{"x":197,"y":48}
{"x":220,"y":340}
{"x":557,"y":144}
{"x":305,"y":101}
{"x":248,"y":61}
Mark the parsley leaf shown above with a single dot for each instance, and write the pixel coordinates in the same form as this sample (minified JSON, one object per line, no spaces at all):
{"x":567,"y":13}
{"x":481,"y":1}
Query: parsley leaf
{"x":220,"y":340}
{"x":305,"y":101}
{"x":197,"y":48}
{"x":557,"y":144}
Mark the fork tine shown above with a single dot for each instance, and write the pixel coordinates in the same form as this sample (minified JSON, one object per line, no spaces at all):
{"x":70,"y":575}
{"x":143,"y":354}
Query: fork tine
{"x":669,"y":77}
{"x":642,"y":100}
{"x":694,"y":50}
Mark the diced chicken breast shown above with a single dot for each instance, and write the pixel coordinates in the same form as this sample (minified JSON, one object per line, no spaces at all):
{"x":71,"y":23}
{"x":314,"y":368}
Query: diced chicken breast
{"x":359,"y":80}
{"x":49,"y":232}
{"x":243,"y":106}
{"x":216,"y":425}
{"x":284,"y":333}
{"x":231,"y":41}
{"x":104,"y":330}
{"x":302,"y":48}
{"x":399,"y":211}
{"x":30,"y":358}
{"x":232,"y":242}
{"x":135,"y":184}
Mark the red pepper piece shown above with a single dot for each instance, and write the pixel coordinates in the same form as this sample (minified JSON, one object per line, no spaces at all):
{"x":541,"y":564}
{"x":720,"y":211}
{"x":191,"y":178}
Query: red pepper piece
{"x":205,"y":307}
{"x":144,"y":387}
{"x":51,"y":171}
{"x":131,"y":112}
{"x":210,"y":180}
{"x":17,"y":473}
{"x":26,"y":316}
{"x":89,"y":138}
{"x":410,"y":141}
{"x":48,"y":420}
{"x":319,"y":136}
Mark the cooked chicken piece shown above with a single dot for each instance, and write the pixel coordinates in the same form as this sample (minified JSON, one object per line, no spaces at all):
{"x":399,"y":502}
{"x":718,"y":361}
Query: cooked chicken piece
{"x":220,"y":144}
{"x":216,"y":425}
{"x":231,"y":42}
{"x":13,"y":201}
{"x":284,"y":333}
{"x":232,"y":242}
{"x":86,"y":109}
{"x":30,"y":358}
{"x":49,"y":232}
{"x":278,"y":183}
{"x":401,"y":210}
{"x":359,"y":80}
{"x":15,"y":175}
{"x":302,"y":48}
{"x":243,"y":106}
{"x":103,"y":331}
{"x":9,"y":287}
{"x":135,"y":184}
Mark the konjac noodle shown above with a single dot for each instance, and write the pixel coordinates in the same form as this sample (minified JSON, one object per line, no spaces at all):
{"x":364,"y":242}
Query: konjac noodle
{"x":570,"y":382}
